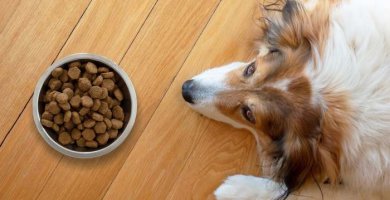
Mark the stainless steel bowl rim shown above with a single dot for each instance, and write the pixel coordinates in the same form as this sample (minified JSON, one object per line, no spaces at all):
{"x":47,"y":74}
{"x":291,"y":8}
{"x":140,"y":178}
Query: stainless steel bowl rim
{"x":122,"y":136}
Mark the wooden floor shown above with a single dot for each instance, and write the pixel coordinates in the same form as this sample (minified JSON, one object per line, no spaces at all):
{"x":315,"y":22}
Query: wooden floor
{"x":172,"y":152}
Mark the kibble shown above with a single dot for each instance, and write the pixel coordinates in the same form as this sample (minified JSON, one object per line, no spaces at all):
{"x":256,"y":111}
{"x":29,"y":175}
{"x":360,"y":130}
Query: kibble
{"x":47,"y":115}
{"x":116,"y":124}
{"x":91,"y":144}
{"x":57,"y":72}
{"x":97,"y":117}
{"x":100,"y":127}
{"x":47,"y":123}
{"x":95,"y":92}
{"x":69,"y":92}
{"x":89,"y":123}
{"x":59,"y":119}
{"x":53,"y":108}
{"x":75,"y":101}
{"x":88,"y":134}
{"x":91,"y":68}
{"x":74,"y":73}
{"x":98,"y":81}
{"x":108,"y":84}
{"x":83,"y":105}
{"x":67,"y":116}
{"x":76,"y":134}
{"x":87,"y":101}
{"x":96,"y":104}
{"x":55,"y":84}
{"x":64,"y":138}
{"x":84,"y":84}
{"x":118,"y":94}
{"x":103,"y":138}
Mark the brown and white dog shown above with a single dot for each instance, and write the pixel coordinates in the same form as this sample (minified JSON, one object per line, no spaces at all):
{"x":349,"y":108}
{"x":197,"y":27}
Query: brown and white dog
{"x":316,"y":98}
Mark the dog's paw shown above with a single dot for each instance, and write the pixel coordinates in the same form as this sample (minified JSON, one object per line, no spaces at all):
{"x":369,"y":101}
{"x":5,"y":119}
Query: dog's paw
{"x":241,"y":187}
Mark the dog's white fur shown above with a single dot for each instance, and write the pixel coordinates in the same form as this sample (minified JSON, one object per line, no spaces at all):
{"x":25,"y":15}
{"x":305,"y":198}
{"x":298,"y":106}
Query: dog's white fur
{"x":356,"y":60}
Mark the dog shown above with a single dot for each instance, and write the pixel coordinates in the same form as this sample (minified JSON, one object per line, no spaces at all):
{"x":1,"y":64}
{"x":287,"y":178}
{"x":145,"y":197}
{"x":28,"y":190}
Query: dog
{"x":316,"y":97}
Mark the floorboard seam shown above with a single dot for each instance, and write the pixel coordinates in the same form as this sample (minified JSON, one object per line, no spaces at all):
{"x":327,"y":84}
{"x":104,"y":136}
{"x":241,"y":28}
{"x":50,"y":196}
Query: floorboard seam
{"x":48,"y":178}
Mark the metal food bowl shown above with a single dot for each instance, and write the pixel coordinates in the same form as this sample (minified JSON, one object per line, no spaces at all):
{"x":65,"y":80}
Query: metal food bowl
{"x":129,"y":105}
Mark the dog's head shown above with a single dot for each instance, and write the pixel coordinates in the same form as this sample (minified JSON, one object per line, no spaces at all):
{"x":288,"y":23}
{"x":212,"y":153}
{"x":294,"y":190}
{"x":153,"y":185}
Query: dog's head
{"x":272,"y":96}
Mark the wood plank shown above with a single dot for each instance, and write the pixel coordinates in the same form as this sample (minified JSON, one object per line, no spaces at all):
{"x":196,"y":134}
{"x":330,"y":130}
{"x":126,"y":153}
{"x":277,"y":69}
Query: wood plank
{"x":29,"y":44}
{"x":26,"y":161}
{"x":7,"y":9}
{"x":152,"y":62}
{"x":154,"y":166}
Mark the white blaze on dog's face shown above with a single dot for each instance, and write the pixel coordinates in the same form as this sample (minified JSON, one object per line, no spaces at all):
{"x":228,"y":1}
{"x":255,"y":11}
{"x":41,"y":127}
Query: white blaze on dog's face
{"x":272,"y":95}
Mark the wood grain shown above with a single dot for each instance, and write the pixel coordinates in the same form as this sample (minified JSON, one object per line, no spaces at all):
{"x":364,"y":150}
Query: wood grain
{"x":24,"y":171}
{"x":154,"y":165}
{"x":32,"y":34}
{"x":152,"y":62}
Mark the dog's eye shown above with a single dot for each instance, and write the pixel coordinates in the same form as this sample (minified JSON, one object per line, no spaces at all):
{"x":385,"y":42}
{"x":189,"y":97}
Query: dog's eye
{"x":248,"y":114}
{"x":250,"y":69}
{"x":274,"y":51}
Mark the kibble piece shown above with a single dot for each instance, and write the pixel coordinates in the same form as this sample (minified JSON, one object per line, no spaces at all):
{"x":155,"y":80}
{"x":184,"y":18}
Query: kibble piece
{"x":64,"y":138}
{"x":95,"y":92}
{"x":88,"y":134}
{"x":53,"y":108}
{"x":89,"y":123}
{"x":81,"y":142}
{"x":103,"y":109}
{"x":80,"y":127}
{"x":104,"y":93}
{"x":96,"y":104}
{"x":76,"y":134}
{"x":75,"y":101}
{"x":65,"y":106}
{"x":47,"y":115}
{"x":88,"y":76}
{"x":46,"y":123}
{"x":108,"y":123}
{"x":108,"y":84}
{"x":74,"y":73}
{"x":116,"y":124}
{"x":118,"y":94}
{"x":108,"y":114}
{"x":67,"y":85}
{"x":59,"y":118}
{"x":67,"y":116}
{"x":97,"y":117}
{"x":64,"y":76}
{"x":113,"y":133}
{"x":76,"y":118}
{"x":115,"y":103}
{"x":69,"y":92}
{"x":91,"y":144}
{"x":103,"y":69}
{"x":91,"y":68}
{"x":108,"y":75}
{"x":68,"y":125}
{"x":117,"y":113}
{"x":74,"y":64}
{"x":100,"y":127}
{"x":57,"y":72}
{"x":54,"y":84}
{"x":84,"y":84}
{"x":102,"y":139}
{"x":55,"y":128}
{"x":87,"y":101}
{"x":62,"y":98}
{"x":83,"y":111}
{"x":53,"y":95}
{"x":98,"y":81}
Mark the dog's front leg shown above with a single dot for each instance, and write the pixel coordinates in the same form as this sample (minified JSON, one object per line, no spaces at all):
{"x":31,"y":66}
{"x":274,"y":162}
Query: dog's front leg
{"x":241,"y":187}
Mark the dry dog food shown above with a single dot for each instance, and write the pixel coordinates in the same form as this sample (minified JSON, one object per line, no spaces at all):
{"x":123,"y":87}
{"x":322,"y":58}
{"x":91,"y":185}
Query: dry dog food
{"x":83,"y":105}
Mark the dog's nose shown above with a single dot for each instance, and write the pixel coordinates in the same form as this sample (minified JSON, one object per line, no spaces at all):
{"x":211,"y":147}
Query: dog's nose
{"x":186,"y":91}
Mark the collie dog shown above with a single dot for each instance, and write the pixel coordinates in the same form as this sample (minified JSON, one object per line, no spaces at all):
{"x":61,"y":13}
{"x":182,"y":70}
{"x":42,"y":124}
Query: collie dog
{"x":316,"y":97}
